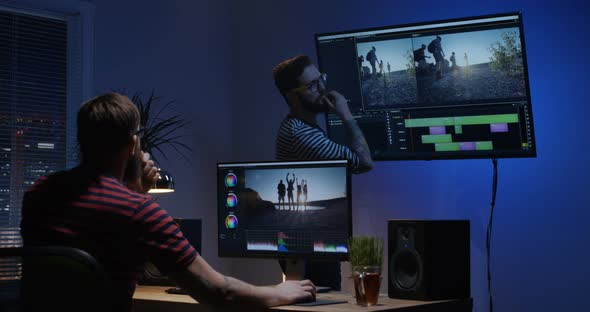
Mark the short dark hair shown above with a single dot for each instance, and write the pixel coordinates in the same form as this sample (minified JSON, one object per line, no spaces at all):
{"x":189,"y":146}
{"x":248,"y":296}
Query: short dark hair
{"x":105,"y":124}
{"x":287,"y":72}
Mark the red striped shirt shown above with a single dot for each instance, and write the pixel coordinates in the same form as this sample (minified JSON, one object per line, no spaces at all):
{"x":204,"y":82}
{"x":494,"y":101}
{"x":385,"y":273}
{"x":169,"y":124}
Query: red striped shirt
{"x":122,"y":229}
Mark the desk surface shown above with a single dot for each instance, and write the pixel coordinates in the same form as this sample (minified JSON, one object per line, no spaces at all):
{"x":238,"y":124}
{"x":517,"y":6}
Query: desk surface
{"x":154,"y":298}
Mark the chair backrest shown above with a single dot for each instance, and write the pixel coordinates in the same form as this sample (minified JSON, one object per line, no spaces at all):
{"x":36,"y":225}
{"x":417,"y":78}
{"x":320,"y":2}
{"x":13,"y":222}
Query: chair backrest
{"x":59,"y":278}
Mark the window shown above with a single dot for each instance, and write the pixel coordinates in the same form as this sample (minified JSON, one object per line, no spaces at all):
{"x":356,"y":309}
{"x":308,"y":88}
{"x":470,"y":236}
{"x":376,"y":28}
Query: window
{"x":41,"y":86}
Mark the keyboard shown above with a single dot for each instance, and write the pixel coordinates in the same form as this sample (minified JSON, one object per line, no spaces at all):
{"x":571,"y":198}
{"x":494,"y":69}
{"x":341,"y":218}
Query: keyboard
{"x":180,"y":291}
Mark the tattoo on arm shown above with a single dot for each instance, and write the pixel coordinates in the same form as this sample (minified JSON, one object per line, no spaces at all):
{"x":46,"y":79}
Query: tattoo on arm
{"x":225,"y":290}
{"x":217,"y":294}
{"x":359,"y":145}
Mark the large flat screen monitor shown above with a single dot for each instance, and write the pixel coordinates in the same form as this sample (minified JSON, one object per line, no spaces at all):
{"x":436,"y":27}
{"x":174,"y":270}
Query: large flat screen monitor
{"x":439,"y":90}
{"x":280,"y":210}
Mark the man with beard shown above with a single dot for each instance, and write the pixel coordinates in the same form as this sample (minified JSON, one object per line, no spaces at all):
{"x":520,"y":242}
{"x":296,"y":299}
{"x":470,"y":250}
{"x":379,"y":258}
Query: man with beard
{"x":300,"y":137}
{"x":100,"y":207}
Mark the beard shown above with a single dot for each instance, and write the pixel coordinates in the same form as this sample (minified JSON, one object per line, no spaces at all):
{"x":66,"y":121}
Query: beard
{"x":133,"y":169}
{"x":317,"y":106}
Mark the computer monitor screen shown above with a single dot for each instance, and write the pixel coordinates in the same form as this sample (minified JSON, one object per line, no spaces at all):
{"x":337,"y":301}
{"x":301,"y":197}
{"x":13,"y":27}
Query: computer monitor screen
{"x":438,"y":90}
{"x":296,"y":209}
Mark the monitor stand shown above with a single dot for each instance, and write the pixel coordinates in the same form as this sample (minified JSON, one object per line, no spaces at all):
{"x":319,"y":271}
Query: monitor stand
{"x":294,"y":270}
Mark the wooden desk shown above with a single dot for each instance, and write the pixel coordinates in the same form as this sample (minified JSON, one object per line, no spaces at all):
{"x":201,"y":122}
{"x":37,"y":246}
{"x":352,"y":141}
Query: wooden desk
{"x":154,"y":298}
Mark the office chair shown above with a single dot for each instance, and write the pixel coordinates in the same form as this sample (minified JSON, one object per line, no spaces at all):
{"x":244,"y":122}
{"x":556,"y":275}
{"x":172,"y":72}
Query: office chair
{"x":56,"y":278}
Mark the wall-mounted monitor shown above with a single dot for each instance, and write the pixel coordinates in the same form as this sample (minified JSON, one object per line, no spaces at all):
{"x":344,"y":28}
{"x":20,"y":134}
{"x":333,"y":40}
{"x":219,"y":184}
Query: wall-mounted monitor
{"x":297,"y":209}
{"x":438,"y":90}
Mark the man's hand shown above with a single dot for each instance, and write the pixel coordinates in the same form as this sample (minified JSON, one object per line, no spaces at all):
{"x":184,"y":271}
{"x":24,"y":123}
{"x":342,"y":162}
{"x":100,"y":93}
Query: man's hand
{"x":149,"y":174}
{"x":206,"y":285}
{"x":357,"y":142}
{"x":290,"y":292}
{"x":338,"y":104}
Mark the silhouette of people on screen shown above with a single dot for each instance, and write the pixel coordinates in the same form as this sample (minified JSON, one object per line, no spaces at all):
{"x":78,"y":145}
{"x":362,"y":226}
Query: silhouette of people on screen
{"x":281,"y":189}
{"x":467,"y":69}
{"x":420,"y":58}
{"x":419,"y":54}
{"x":435,"y":47}
{"x":305,"y":194}
{"x":453,"y":62}
{"x":372,"y":59}
{"x":388,"y":68}
{"x":290,"y":189}
{"x":299,"y":192}
{"x":381,"y":67}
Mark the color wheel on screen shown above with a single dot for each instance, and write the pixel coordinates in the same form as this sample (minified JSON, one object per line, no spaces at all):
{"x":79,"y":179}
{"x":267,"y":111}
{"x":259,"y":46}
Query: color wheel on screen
{"x":231,"y":200}
{"x":231,"y":180}
{"x":231,"y":222}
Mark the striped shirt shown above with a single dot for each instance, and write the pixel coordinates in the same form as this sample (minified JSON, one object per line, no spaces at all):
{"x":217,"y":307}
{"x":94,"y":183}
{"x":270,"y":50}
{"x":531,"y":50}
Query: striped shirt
{"x":119,"y":227}
{"x":298,"y":140}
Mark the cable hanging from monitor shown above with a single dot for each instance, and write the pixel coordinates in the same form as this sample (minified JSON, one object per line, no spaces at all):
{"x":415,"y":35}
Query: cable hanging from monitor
{"x":489,"y":230}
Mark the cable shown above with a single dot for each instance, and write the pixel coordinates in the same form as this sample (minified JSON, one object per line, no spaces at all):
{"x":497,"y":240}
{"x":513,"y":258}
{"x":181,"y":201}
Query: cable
{"x":489,"y":231}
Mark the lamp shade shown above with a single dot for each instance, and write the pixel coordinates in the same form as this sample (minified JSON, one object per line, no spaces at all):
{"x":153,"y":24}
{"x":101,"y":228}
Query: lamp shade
{"x":164,"y":185}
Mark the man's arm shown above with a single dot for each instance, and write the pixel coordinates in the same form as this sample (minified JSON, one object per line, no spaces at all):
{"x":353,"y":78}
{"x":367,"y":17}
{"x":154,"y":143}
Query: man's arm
{"x":356,"y":140}
{"x":206,"y":285}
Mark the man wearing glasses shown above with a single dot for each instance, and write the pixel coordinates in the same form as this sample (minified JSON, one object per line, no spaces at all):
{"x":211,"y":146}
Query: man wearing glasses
{"x":300,"y":137}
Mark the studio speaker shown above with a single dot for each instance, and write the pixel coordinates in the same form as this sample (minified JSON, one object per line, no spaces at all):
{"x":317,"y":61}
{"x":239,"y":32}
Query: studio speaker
{"x":428,"y":259}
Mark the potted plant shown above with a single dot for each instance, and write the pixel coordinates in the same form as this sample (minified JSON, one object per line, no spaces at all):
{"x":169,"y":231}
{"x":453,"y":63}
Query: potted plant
{"x":366,"y":258}
{"x":161,"y":129}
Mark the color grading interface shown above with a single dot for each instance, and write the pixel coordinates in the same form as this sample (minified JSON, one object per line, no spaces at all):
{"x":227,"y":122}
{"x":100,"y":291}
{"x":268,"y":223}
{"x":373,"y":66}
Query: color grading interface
{"x":276,"y":209}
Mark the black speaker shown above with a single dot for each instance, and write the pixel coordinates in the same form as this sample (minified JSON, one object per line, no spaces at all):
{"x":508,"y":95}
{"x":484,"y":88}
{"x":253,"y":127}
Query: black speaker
{"x":191,"y":229}
{"x":429,"y":259}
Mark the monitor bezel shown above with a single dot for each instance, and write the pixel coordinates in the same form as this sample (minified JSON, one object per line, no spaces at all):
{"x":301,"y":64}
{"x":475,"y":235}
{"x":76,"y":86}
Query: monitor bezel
{"x":531,"y":153}
{"x":277,"y":255}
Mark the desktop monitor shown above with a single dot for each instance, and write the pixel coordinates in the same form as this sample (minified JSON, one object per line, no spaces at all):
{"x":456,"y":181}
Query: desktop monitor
{"x":291,"y":210}
{"x":438,"y":90}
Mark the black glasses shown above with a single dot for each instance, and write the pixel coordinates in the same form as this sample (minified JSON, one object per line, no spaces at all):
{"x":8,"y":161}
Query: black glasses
{"x":314,"y":85}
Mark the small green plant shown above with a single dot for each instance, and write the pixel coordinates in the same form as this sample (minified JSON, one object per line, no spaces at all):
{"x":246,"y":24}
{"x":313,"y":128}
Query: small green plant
{"x":365,"y":251}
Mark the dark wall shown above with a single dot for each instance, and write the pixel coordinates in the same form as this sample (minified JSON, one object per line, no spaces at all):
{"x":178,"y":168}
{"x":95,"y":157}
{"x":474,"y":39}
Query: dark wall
{"x":181,"y":49}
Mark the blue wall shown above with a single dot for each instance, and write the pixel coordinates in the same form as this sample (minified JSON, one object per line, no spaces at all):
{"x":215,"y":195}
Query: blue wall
{"x":539,"y":255}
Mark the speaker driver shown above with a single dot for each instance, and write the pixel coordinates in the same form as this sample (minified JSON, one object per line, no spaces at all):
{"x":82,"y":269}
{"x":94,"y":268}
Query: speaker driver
{"x":406,"y":267}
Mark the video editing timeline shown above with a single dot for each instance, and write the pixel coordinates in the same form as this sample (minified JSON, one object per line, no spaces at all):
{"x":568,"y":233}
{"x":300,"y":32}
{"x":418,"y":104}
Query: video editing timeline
{"x":503,"y":127}
{"x":443,"y":89}
{"x":312,"y":217}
